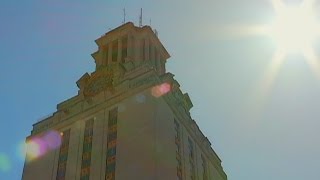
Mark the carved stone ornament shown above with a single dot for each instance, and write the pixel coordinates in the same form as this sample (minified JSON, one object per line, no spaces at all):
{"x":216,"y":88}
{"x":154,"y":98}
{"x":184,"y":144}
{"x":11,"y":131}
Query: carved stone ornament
{"x":100,"y":80}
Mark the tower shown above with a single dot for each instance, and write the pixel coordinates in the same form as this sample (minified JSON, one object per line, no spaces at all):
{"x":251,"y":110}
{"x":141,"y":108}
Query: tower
{"x":129,"y":120}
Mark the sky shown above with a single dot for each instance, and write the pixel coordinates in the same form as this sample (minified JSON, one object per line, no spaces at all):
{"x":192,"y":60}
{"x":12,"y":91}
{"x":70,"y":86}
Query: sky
{"x":261,"y":131}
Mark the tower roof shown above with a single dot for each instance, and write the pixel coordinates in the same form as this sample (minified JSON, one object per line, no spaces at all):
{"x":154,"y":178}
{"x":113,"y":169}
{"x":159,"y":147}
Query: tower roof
{"x":130,"y":27}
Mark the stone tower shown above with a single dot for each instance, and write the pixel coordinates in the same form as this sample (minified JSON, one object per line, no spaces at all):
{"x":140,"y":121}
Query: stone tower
{"x":129,"y":120}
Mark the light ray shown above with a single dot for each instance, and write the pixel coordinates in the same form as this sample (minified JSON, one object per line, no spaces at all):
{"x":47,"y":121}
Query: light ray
{"x":278,"y":5}
{"x":259,"y":95}
{"x":239,"y":31}
{"x":308,"y":3}
{"x":271,"y":73}
{"x":275,"y":65}
{"x":294,"y":30}
{"x":312,"y":60}
{"x":246,"y":30}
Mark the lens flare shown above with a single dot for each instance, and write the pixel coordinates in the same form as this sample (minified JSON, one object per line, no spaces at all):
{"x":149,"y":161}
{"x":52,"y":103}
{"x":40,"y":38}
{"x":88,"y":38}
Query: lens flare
{"x":53,"y":139}
{"x":5,"y":163}
{"x":39,"y":146}
{"x":21,"y":150}
{"x":160,"y":90}
{"x":140,"y":98}
{"x":32,"y":150}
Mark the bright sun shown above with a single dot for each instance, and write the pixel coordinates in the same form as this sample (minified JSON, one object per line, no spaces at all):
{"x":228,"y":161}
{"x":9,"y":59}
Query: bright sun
{"x":295,"y":27}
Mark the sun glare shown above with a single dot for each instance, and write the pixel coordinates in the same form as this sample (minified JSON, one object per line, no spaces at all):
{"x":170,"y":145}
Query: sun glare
{"x":295,"y":27}
{"x":295,"y":30}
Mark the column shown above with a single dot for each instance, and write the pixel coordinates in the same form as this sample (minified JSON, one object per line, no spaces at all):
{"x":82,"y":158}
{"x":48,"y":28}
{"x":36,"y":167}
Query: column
{"x":137,"y":49}
{"x":129,"y":47}
{"x":109,"y":53}
{"x":146,"y":50}
{"x":162,"y":65}
{"x":152,"y":55}
{"x":119,"y":50}
{"x":105,"y":55}
{"x":158,"y":62}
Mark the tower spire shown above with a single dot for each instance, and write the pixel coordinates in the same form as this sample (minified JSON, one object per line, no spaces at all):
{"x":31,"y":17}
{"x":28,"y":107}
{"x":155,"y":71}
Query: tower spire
{"x":124,"y":15}
{"x":140,"y":18}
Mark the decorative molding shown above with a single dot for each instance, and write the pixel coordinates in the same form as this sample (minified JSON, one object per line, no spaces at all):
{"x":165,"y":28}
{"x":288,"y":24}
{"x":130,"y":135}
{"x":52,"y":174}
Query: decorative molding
{"x":67,"y":109}
{"x":180,"y":99}
{"x":100,"y":80}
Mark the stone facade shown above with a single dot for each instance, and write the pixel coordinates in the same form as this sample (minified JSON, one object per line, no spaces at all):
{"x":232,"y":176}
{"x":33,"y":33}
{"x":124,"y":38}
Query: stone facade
{"x":129,"y":120}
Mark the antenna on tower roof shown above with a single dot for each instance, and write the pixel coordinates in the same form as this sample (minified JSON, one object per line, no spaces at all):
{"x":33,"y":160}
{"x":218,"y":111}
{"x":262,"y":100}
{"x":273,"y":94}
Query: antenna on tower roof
{"x":124,"y":15}
{"x":156,"y":32}
{"x":140,"y":18}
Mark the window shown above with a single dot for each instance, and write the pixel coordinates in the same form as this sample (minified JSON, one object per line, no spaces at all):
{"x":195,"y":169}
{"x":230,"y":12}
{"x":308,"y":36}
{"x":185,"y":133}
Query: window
{"x":111,"y":167}
{"x":111,"y":144}
{"x":161,"y":64}
{"x":191,"y":158}
{"x":112,"y":136}
{"x":111,"y":159}
{"x":86,"y":163}
{"x":63,"y":155}
{"x":85,"y":177}
{"x":178,"y":147}
{"x":124,"y":48}
{"x":155,"y":51}
{"x":204,"y":167}
{"x":106,"y":51}
{"x":150,"y":51}
{"x":111,"y":151}
{"x":143,"y":46}
{"x":88,"y":139}
{"x":88,"y":132}
{"x":112,"y":128}
{"x":86,"y":150}
{"x":115,"y":51}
